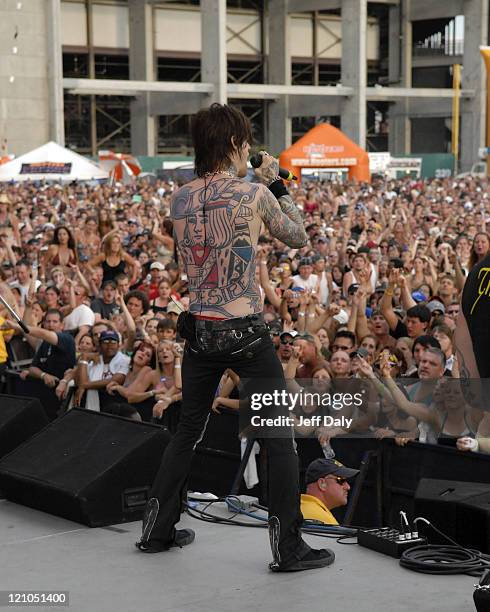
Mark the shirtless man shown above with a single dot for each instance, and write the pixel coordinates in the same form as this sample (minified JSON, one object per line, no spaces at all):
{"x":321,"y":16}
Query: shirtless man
{"x":217,"y":222}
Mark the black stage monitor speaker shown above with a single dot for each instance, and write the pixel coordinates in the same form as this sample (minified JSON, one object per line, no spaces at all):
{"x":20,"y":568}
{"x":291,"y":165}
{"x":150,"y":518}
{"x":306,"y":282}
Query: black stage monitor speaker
{"x":89,"y":467}
{"x":459,"y":509}
{"x":20,"y":418}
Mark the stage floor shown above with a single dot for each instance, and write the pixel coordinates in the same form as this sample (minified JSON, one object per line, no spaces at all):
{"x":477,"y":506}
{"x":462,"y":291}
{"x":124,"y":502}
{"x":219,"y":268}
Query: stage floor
{"x":225,"y":569}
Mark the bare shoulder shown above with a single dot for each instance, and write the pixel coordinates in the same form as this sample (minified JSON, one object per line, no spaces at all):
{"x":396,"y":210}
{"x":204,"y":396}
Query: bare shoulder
{"x":189,"y":198}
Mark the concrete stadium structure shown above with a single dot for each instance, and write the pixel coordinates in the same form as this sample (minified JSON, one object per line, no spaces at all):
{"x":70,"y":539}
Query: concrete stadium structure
{"x":127,"y":73}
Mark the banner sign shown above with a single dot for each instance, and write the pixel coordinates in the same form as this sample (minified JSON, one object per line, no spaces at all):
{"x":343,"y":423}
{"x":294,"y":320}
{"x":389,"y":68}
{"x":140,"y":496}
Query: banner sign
{"x":316,"y":156}
{"x":46,"y":168}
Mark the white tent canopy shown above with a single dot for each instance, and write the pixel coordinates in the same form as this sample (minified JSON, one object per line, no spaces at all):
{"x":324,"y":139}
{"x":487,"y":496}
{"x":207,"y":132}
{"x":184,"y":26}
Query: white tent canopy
{"x":51,"y":162}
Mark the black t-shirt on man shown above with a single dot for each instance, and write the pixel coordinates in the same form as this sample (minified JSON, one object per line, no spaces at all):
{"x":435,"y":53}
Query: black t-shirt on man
{"x":476,"y":309}
{"x":105,"y":310}
{"x":56,"y":359}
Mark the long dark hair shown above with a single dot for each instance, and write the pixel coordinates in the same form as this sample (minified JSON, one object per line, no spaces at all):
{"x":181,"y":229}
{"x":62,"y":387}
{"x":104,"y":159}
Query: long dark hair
{"x":71,"y":240}
{"x":212,"y":130}
{"x":153,"y":360}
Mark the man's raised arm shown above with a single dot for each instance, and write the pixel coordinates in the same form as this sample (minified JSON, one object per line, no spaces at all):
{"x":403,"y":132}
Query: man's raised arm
{"x":276,"y":207}
{"x":282,"y":218}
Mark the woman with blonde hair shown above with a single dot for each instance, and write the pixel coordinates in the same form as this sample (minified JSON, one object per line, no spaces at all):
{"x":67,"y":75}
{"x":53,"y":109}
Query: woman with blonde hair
{"x":9,"y":223}
{"x":58,"y":277}
{"x":147,"y":380}
{"x":167,"y":376}
{"x":113,"y":259}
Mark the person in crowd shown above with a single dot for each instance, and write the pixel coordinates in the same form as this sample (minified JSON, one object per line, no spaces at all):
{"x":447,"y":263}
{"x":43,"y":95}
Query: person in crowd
{"x":94,"y":376}
{"x":137,"y":388}
{"x":62,"y":250}
{"x":22,"y":278}
{"x":417,"y":319}
{"x":456,"y":418}
{"x":370,"y":344}
{"x":5,"y":333}
{"x":104,"y":307}
{"x":327,"y":487}
{"x":479,"y":249}
{"x":452,"y":311}
{"x":419,"y":398}
{"x":308,"y":354}
{"x":137,"y":303}
{"x":9,"y":223}
{"x":167,"y":378}
{"x":305,"y":279}
{"x":122,"y":284}
{"x":344,"y":341}
{"x":324,"y":340}
{"x":404,"y":345}
{"x":481,"y":442}
{"x":162,"y":300}
{"x":106,"y":222}
{"x":88,"y":238}
{"x":444,"y":335}
{"x":391,"y":421}
{"x":82,"y":317}
{"x":57,"y":276}
{"x":166,"y":330}
{"x":418,"y":347}
{"x":285,"y":347}
{"x":114,"y":259}
{"x":54,"y":355}
{"x":154,"y":380}
{"x":151,"y":284}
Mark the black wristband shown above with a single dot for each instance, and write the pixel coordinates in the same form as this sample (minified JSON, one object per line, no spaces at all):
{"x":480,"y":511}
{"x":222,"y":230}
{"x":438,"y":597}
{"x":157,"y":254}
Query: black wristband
{"x":278,"y":189}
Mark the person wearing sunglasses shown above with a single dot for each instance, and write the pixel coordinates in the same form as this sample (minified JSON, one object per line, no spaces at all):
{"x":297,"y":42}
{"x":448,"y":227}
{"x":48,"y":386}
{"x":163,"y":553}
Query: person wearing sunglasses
{"x":275,"y":329}
{"x":327,"y":487}
{"x":285,"y":348}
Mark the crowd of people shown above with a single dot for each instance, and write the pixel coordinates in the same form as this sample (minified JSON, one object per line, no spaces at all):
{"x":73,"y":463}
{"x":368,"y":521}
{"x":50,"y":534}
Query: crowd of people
{"x":375,"y":295}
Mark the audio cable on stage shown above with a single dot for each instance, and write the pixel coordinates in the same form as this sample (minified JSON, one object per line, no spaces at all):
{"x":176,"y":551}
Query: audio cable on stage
{"x":236,"y":506}
{"x":444,"y":559}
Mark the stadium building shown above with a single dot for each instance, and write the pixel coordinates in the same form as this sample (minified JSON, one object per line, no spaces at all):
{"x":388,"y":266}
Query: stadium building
{"x":127,"y":74}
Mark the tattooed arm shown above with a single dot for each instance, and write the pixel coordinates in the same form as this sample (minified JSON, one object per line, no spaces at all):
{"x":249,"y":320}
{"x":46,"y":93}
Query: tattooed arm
{"x":468,"y":369}
{"x":282,"y":218}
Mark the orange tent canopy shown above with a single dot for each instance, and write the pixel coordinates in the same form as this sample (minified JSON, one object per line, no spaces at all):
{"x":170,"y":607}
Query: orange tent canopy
{"x":324,"y":146}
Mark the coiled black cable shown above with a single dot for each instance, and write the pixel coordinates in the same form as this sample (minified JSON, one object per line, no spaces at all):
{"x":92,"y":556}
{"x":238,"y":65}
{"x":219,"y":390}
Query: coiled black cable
{"x":433,"y":559}
{"x":444,"y":559}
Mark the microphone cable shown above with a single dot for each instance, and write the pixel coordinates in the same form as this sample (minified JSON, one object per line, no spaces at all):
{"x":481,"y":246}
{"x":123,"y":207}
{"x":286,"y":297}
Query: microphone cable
{"x":335,"y":532}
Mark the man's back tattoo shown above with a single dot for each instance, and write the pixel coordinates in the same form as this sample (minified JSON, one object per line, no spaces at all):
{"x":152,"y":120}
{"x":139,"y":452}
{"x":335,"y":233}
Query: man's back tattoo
{"x":216,"y":228}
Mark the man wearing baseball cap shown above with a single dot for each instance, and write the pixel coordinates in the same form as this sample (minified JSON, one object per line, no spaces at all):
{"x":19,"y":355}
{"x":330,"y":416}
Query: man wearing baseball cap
{"x":94,"y":376}
{"x":285,"y":348}
{"x":326,"y":488}
{"x":305,"y":279}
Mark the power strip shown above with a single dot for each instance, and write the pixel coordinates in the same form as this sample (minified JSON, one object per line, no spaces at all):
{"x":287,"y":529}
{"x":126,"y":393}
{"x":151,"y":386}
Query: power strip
{"x":244,"y":502}
{"x":389,"y":541}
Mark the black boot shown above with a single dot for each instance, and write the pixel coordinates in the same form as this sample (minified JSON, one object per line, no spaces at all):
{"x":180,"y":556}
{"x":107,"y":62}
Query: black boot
{"x":309,"y":559}
{"x":147,"y":544}
{"x":182,"y":538}
{"x":313,"y":559}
